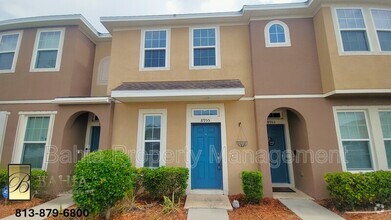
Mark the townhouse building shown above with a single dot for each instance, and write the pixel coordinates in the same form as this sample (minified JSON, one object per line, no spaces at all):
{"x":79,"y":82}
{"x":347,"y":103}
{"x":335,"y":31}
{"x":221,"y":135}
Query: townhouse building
{"x":294,"y":90}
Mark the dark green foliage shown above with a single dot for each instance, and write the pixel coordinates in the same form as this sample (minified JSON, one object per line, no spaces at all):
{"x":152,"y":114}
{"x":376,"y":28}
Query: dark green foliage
{"x":351,"y":191}
{"x":36,"y":181}
{"x":165,"y":181}
{"x":101,"y":179}
{"x":252,"y":186}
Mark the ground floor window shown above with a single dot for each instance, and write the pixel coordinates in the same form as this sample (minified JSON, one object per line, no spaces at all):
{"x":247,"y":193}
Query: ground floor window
{"x":151,"y":138}
{"x":33,"y":138}
{"x":364,"y":134}
{"x":3,"y":125}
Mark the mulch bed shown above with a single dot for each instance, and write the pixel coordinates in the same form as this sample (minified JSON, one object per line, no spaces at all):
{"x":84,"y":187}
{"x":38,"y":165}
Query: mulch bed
{"x":359,"y":216}
{"x":147,"y":209}
{"x":268,"y":209}
{"x":11,"y":206}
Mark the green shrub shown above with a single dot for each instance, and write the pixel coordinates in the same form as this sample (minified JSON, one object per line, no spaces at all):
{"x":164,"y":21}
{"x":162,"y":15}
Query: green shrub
{"x":3,"y":178}
{"x":351,"y":191}
{"x":101,"y":179}
{"x":252,"y":186}
{"x":37,"y":182}
{"x":165,"y":181}
{"x":137,"y":180}
{"x":37,"y":176}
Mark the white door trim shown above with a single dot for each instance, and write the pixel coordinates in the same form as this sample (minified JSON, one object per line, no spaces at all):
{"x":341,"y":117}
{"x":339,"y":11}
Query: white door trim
{"x":220,"y":118}
{"x":288,"y":146}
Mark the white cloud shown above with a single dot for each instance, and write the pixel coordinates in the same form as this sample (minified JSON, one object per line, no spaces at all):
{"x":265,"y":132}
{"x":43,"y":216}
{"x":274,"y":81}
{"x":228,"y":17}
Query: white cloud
{"x":93,"y":9}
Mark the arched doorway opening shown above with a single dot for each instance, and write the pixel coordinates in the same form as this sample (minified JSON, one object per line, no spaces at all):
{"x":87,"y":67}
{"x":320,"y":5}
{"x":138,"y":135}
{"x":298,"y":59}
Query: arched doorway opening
{"x":288,"y":150}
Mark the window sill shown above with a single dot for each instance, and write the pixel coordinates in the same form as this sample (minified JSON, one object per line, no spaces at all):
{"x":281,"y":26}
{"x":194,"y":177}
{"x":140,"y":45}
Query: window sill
{"x":45,"y":70}
{"x":279,"y":45}
{"x":365,"y":53}
{"x":7,"y":71}
{"x":146,"y":69}
{"x":204,"y":67}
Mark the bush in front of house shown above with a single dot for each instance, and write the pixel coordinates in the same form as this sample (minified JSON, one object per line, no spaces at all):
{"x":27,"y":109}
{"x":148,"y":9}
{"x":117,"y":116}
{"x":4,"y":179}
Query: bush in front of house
{"x":101,"y":179}
{"x":252,"y":186}
{"x":165,"y":181}
{"x":37,"y":179}
{"x":3,"y":178}
{"x":352,"y":191}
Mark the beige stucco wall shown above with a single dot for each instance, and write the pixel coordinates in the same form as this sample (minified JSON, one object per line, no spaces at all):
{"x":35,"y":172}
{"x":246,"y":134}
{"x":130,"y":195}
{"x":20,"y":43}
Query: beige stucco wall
{"x":235,"y":58}
{"x":102,"y":50}
{"x":125,"y":125}
{"x":347,"y":71}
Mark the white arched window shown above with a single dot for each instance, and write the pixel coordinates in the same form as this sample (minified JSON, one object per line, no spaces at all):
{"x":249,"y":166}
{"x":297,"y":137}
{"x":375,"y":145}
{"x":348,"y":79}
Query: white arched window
{"x":277,"y":34}
{"x":103,"y":71}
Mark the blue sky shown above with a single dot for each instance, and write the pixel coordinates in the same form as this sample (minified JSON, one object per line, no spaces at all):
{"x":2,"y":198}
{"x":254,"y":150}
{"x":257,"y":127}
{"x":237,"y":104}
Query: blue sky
{"x":93,"y":9}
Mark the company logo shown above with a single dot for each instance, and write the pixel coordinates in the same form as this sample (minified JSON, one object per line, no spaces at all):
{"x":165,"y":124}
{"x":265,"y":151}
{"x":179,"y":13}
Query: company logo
{"x":19,"y":182}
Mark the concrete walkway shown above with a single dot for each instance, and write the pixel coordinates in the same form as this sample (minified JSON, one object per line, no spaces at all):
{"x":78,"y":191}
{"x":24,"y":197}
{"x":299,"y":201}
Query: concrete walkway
{"x":202,"y":207}
{"x":64,"y":201}
{"x":307,"y":209}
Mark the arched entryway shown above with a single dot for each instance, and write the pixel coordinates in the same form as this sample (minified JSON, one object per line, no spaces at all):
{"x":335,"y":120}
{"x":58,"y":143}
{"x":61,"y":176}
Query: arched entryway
{"x":290,"y":165}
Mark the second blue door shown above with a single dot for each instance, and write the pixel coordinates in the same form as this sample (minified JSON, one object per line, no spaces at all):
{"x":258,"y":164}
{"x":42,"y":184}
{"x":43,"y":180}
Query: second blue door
{"x":206,"y":165}
{"x":277,"y":152}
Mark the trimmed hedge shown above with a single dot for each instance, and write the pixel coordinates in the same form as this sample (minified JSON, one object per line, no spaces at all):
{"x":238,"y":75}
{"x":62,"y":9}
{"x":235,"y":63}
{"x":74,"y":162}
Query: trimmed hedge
{"x":37,"y":176}
{"x":101,"y":179}
{"x":252,"y":186}
{"x":351,"y":191}
{"x":165,"y":181}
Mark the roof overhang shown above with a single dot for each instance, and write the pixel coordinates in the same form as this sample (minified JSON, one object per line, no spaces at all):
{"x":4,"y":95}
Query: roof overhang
{"x":82,"y":100}
{"x":203,"y":90}
{"x":178,"y":95}
{"x":55,"y":21}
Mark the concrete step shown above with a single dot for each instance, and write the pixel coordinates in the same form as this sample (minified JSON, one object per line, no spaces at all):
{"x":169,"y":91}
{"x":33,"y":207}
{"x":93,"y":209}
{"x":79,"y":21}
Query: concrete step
{"x":208,"y":202}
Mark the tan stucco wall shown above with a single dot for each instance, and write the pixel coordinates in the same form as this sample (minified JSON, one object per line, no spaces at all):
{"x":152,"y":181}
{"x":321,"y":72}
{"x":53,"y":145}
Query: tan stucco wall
{"x":235,"y":58}
{"x":125,"y":125}
{"x":73,"y":79}
{"x":102,"y":50}
{"x":286,"y":70}
{"x":348,"y":71}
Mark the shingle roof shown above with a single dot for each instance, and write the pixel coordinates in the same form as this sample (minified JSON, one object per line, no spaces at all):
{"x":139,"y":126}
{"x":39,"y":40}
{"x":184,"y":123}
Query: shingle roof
{"x":178,"y":85}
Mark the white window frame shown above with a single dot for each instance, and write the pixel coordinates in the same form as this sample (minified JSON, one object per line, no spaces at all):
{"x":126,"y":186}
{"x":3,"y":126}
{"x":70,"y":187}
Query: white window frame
{"x":385,"y":139}
{"x":205,"y":116}
{"x":16,"y":51}
{"x":339,"y":29}
{"x":373,"y":42}
{"x":141,"y":133}
{"x":167,"y":49}
{"x":59,"y":50}
{"x":375,"y":29}
{"x":21,"y":131}
{"x":287,"y":42}
{"x":217,"y":47}
{"x":3,"y":130}
{"x":102,"y":78}
{"x":377,"y":147}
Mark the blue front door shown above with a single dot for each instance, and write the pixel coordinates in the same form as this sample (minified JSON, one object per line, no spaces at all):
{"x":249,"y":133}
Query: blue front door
{"x":206,"y":166}
{"x":95,"y":136}
{"x":277,"y":152}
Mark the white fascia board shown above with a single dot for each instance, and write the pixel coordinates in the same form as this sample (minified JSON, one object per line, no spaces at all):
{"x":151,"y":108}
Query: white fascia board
{"x":177,"y":93}
{"x":86,"y":100}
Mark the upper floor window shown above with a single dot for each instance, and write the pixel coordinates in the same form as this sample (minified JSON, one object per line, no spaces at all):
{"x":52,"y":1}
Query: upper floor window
{"x":382,"y":20}
{"x":155,"y":49}
{"x":9,"y":47}
{"x":48,"y":50}
{"x":277,"y":34}
{"x":353,"y":30}
{"x":205,"y":51}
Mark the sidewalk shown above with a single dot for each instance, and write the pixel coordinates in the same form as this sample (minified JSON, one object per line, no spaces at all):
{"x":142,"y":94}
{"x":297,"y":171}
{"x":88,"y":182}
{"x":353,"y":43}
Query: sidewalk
{"x":307,"y":209}
{"x":64,"y":201}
